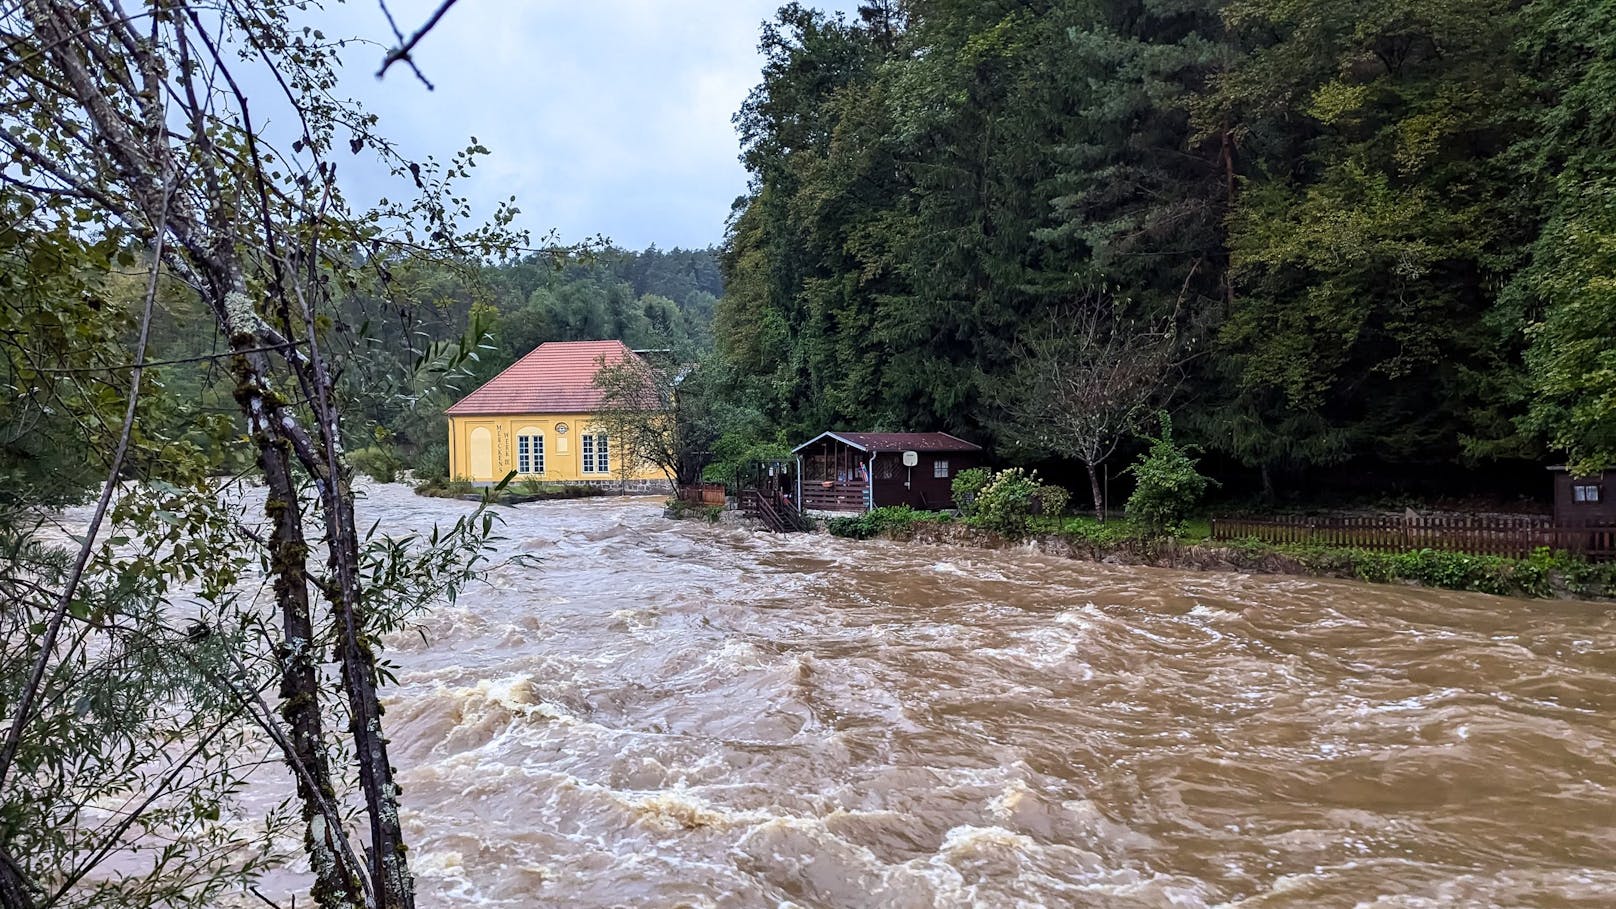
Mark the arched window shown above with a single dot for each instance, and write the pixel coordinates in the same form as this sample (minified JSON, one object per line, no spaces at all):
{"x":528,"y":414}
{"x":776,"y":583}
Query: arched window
{"x":530,"y":451}
{"x":597,"y":452}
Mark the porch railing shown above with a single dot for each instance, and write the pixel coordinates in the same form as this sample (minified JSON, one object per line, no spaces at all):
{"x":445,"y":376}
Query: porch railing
{"x":836,"y":496}
{"x":774,"y":510}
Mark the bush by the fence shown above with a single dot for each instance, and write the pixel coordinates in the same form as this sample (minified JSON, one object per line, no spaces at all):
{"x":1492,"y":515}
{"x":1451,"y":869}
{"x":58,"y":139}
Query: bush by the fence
{"x":1168,"y":487}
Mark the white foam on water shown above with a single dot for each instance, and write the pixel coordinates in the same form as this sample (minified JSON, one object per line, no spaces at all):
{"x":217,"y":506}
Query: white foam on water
{"x":669,"y":714}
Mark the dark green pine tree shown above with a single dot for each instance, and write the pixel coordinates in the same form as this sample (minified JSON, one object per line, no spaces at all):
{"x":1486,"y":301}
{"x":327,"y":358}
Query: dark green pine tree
{"x":977,"y":108}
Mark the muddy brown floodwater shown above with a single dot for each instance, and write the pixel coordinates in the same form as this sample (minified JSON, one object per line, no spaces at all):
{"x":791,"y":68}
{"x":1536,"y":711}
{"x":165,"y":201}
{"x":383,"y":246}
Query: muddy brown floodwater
{"x":681,"y":714}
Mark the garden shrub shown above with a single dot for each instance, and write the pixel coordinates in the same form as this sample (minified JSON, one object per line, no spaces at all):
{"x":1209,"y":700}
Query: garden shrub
{"x":1168,"y":485}
{"x":881,"y":522}
{"x":432,"y":462}
{"x":967,"y":486}
{"x":377,"y":462}
{"x":1052,"y":500}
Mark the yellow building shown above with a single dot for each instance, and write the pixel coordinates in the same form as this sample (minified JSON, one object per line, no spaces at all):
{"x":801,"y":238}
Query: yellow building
{"x":538,"y":419}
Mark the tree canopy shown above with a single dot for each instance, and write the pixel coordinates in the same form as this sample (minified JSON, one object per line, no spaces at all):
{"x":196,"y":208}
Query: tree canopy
{"x":1381,"y":230}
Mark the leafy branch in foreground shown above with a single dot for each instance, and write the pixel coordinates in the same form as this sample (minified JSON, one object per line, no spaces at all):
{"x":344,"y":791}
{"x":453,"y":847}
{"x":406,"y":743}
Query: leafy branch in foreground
{"x":129,"y":132}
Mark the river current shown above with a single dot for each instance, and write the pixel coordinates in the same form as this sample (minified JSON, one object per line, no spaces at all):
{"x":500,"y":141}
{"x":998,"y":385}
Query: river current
{"x":665,"y":713}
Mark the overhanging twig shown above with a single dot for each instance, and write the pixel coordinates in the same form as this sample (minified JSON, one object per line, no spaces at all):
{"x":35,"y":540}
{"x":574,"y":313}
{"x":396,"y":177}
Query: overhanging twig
{"x":403,"y":51}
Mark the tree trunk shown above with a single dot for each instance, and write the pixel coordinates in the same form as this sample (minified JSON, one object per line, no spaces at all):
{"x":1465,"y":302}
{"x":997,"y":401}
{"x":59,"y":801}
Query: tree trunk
{"x":1099,"y":495}
{"x":15,"y":889}
{"x":138,"y":174}
{"x":388,"y":858}
{"x":1230,"y":184}
{"x":337,"y":883}
{"x":389,"y":865}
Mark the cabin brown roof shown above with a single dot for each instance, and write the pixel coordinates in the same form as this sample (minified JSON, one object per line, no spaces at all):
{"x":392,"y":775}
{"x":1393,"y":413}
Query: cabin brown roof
{"x":557,"y":377}
{"x":897,"y":441}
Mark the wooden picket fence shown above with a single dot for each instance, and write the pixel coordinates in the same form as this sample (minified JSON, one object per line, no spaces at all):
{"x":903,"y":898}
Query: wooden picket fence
{"x":703,"y":494}
{"x":1513,"y":536}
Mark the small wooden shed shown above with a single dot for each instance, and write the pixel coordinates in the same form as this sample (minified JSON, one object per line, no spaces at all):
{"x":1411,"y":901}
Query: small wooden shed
{"x":1583,"y":501}
{"x":857,"y":471}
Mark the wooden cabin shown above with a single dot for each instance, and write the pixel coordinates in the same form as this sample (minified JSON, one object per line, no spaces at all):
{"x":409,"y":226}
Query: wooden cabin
{"x":1584,"y":501}
{"x":857,"y":471}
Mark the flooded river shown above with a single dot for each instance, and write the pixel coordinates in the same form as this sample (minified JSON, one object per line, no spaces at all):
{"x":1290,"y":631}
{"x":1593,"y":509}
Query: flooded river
{"x":681,"y":714}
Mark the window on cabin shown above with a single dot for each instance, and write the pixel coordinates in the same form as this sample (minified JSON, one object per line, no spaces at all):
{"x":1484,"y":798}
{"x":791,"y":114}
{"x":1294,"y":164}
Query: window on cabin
{"x":596,"y":451}
{"x":1588,"y":493}
{"x":939,"y":469}
{"x":529,"y":454}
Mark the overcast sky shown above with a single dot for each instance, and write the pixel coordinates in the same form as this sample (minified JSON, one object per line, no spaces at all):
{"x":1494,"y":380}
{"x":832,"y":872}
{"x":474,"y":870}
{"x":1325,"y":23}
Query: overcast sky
{"x":609,"y":117}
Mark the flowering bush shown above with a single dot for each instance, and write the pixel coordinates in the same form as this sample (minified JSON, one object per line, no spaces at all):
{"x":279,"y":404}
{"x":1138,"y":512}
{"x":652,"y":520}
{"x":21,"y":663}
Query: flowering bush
{"x":1005,"y":502}
{"x":1052,"y":500}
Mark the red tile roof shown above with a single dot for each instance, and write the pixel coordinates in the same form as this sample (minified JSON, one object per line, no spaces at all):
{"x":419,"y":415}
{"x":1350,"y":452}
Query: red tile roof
{"x":898,"y":441}
{"x":557,"y":377}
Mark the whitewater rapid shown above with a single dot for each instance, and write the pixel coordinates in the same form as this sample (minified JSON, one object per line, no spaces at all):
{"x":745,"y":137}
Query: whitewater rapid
{"x":660,"y":713}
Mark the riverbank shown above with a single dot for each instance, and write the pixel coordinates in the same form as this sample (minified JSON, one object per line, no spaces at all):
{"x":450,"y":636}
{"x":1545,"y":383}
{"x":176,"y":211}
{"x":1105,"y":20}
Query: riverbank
{"x":511,"y":495}
{"x":1545,"y":575}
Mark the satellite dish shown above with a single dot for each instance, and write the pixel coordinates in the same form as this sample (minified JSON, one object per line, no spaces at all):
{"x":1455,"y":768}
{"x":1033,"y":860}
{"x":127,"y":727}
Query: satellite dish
{"x":911,"y":458}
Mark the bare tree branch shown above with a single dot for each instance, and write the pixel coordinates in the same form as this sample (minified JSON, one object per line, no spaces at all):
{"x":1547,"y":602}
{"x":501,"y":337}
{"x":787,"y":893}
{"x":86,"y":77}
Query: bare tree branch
{"x":407,"y":45}
{"x":1084,"y":379}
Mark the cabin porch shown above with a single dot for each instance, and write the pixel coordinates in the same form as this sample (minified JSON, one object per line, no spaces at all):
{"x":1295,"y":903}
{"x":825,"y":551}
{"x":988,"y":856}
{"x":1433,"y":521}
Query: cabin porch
{"x":834,"y":477}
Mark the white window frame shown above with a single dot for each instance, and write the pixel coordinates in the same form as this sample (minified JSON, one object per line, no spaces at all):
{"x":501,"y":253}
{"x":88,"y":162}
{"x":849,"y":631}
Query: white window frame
{"x":1587,"y":493}
{"x":595,"y":452}
{"x":530,"y":454}
{"x":939,"y":469}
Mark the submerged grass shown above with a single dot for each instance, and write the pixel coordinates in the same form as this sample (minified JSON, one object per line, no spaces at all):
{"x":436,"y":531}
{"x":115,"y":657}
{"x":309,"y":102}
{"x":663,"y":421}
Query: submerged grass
{"x":680,"y":510}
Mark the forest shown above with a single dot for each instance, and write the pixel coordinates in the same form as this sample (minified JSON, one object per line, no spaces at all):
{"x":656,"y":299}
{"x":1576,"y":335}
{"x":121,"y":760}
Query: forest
{"x":1357,"y":244}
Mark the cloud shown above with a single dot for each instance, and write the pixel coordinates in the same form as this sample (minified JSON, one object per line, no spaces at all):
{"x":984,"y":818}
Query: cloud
{"x":603,"y":118}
